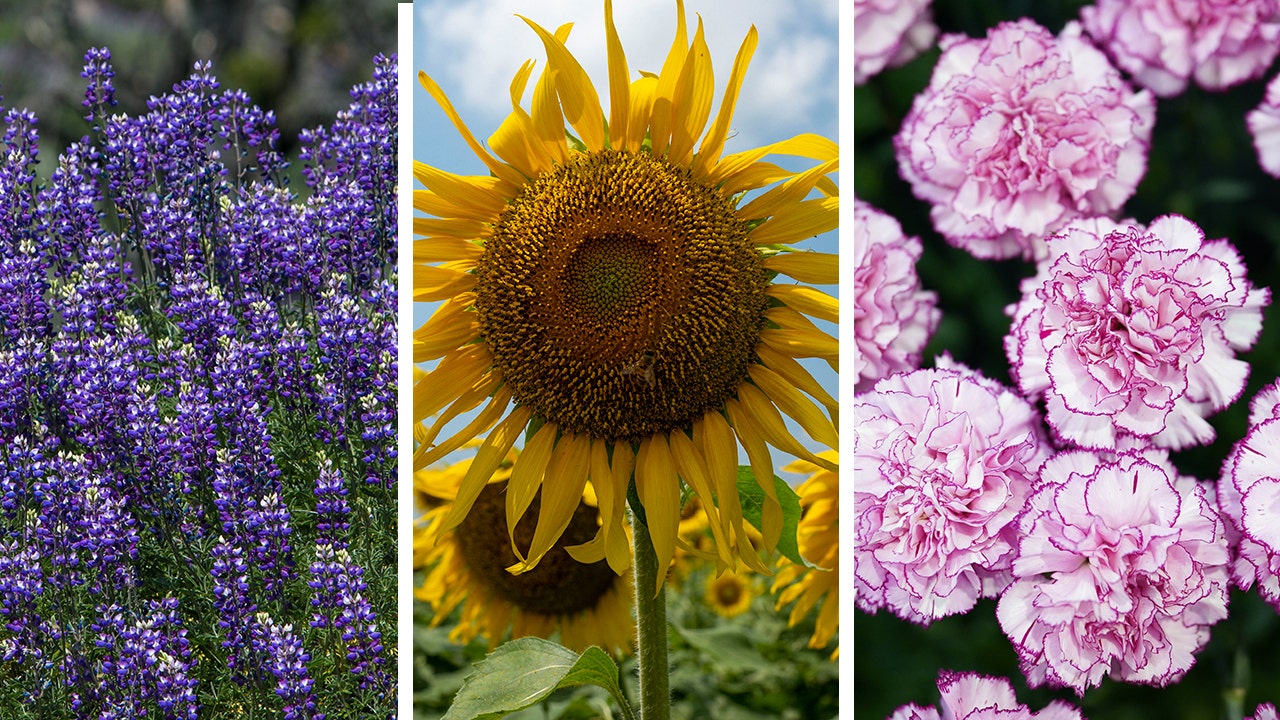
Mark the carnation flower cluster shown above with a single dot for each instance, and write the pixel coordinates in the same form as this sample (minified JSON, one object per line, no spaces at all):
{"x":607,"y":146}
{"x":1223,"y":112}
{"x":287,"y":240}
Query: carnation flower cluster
{"x":1057,"y":497}
{"x":197,"y":387}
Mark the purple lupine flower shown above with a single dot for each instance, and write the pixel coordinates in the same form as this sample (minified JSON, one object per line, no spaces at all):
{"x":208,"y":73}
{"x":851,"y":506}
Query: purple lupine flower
{"x":109,"y":542}
{"x":21,"y":582}
{"x":246,"y":127}
{"x":287,"y":663}
{"x":101,"y":92}
{"x":358,"y":624}
{"x":235,"y":606}
{"x":269,"y":531}
{"x":162,"y":658}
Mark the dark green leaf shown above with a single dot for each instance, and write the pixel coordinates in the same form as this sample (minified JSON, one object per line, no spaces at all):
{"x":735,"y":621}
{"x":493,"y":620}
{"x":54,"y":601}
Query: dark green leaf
{"x":753,"y":511}
{"x":525,"y":671}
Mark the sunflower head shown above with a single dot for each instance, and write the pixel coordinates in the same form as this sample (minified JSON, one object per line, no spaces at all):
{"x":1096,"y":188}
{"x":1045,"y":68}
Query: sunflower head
{"x":730,"y":594}
{"x":586,"y":603}
{"x":607,"y":294}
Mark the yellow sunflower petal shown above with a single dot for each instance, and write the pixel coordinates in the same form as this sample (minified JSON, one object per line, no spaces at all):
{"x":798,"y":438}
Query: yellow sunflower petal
{"x":487,"y":459}
{"x":527,"y":475}
{"x":506,"y":173}
{"x":794,"y":403}
{"x":712,"y":434}
{"x":788,"y":193}
{"x":611,"y":496}
{"x":807,"y":300}
{"x":548,"y":120}
{"x":693,"y":94}
{"x":425,"y":454}
{"x":814,"y":268}
{"x":806,"y":145}
{"x":619,"y":84}
{"x":795,"y":374}
{"x":643,"y":91}
{"x":455,"y":373}
{"x":766,"y":418}
{"x":713,"y":144}
{"x":470,"y":398}
{"x":432,"y":283}
{"x":802,"y":220}
{"x":662,"y":117}
{"x":578,"y":99}
{"x":761,"y":461}
{"x":442,"y":249}
{"x":659,"y":492}
{"x":516,"y":139}
{"x":449,"y":328}
{"x":690,"y":466}
{"x":560,"y":497}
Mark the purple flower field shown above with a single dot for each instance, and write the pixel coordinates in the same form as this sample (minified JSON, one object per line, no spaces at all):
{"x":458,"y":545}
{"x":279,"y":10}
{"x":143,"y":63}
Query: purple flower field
{"x":197,"y":403}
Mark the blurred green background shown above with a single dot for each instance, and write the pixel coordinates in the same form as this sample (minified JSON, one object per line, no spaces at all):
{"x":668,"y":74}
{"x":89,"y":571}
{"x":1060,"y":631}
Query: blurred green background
{"x":298,"y":58}
{"x":1202,"y":164}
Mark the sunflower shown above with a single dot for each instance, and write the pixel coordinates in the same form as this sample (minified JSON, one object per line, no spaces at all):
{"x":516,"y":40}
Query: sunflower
{"x":588,"y":604}
{"x":818,"y":537}
{"x":607,"y":292}
{"x":730,"y":594}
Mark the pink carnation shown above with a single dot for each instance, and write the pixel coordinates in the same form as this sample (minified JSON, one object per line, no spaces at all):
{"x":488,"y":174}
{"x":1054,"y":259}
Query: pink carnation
{"x":1135,"y":333}
{"x":1264,"y":125}
{"x":1121,"y":570}
{"x":889,"y":33}
{"x":970,"y":696}
{"x":945,"y":460}
{"x":1019,"y":133}
{"x":1163,"y":43}
{"x":892,"y":317}
{"x":1249,"y":498}
{"x":1266,"y":711}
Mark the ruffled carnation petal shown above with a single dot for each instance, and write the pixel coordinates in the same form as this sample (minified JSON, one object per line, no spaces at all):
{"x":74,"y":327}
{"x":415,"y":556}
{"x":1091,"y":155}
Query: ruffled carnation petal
{"x":1134,"y":333}
{"x":1264,"y":126}
{"x":1166,"y":43}
{"x":1249,"y":499}
{"x":1020,"y":133}
{"x":945,"y":459}
{"x":893,"y":318}
{"x":1122,"y":569}
{"x":889,"y":33}
{"x":970,"y":696}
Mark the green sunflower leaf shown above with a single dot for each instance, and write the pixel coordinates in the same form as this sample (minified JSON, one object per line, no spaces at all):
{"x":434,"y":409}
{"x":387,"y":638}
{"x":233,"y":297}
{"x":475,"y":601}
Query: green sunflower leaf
{"x":523,"y":672}
{"x":752,"y":496}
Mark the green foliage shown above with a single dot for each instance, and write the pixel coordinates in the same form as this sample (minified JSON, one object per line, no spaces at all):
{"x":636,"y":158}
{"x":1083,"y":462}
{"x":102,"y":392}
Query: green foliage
{"x":752,"y":496}
{"x":523,"y":672}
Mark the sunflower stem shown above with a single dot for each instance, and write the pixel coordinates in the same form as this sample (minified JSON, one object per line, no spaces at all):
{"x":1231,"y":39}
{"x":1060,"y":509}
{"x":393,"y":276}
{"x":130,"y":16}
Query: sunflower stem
{"x":651,"y":629}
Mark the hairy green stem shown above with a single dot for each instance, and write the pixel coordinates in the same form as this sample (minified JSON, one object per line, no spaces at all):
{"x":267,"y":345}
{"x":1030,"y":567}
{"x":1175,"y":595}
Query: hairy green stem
{"x":651,"y":630}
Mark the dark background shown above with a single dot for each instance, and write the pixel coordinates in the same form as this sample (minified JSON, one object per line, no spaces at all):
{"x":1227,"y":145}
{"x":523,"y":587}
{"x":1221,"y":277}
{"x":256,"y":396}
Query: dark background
{"x":298,"y":58}
{"x":1202,"y":164}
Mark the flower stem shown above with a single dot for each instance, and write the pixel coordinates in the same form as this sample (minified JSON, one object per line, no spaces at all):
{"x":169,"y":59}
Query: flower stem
{"x":651,"y":627}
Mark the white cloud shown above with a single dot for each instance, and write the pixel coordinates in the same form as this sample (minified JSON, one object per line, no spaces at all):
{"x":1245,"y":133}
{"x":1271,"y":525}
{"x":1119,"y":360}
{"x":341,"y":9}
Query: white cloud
{"x":472,"y":49}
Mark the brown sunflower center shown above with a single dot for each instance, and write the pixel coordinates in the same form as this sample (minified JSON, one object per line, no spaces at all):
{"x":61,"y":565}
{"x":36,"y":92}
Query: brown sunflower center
{"x":620,"y":296}
{"x":559,"y":585}
{"x":728,"y":593}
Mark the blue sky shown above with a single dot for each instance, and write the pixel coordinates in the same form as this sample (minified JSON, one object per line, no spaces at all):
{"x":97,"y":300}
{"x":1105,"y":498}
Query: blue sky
{"x":472,"y":49}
